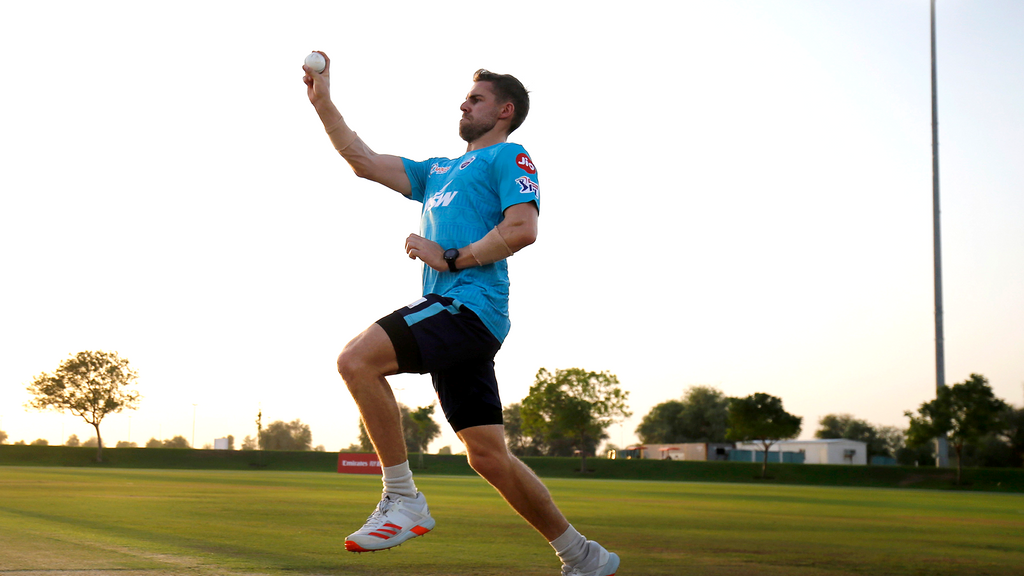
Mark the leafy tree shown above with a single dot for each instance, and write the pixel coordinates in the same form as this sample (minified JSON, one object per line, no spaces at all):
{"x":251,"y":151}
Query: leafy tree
{"x":40,"y":442}
{"x":123,"y":444}
{"x":365,"y":444}
{"x":89,"y":385}
{"x":518,"y":442}
{"x":574,"y":405}
{"x":248,"y":443}
{"x":3,"y":437}
{"x":411,"y":430}
{"x":279,"y":435}
{"x":964,"y":412}
{"x":92,"y":442}
{"x":701,"y":416}
{"x":73,"y":441}
{"x":1013,"y":433}
{"x":176,"y":442}
{"x":761,"y":418}
{"x":850,"y":428}
{"x":445,"y":451}
{"x":892,"y":439}
{"x":422,"y":429}
{"x":661,"y":424}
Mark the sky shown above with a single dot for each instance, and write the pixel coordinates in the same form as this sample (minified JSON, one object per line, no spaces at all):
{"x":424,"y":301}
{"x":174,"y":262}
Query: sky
{"x":735,"y":194}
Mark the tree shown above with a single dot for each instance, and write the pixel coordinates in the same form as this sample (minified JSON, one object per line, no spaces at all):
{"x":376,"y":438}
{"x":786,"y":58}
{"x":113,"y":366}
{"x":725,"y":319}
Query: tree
{"x":1013,"y":432}
{"x":293,"y":435}
{"x":761,"y":418}
{"x":178,"y":441}
{"x":72,"y":441}
{"x":518,"y":442}
{"x":40,"y":442}
{"x":575,"y":405}
{"x":364,"y":438}
{"x":89,"y":385}
{"x":964,"y":412}
{"x":701,"y":416}
{"x":850,"y":428}
{"x":411,"y":430}
{"x":248,"y":443}
{"x":661,"y":424}
{"x":3,"y":437}
{"x":892,"y":440}
{"x":123,"y":444}
{"x":422,"y":429}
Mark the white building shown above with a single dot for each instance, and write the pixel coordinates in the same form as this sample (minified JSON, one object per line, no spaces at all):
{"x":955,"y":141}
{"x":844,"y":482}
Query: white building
{"x":832,"y":451}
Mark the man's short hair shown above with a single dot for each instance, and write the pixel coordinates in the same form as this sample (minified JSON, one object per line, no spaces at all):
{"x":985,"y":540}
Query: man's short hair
{"x":507,"y":89}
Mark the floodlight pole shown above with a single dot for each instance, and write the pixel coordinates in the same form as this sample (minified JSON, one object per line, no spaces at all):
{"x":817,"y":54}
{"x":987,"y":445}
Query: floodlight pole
{"x":941,"y":448}
{"x":194,"y":425}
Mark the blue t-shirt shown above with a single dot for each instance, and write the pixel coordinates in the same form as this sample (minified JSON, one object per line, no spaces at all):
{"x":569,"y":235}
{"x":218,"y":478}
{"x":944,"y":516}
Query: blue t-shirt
{"x":463,"y":199}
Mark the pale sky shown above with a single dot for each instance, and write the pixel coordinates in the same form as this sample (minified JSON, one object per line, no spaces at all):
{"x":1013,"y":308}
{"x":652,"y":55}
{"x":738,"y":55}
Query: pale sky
{"x":735,"y":194}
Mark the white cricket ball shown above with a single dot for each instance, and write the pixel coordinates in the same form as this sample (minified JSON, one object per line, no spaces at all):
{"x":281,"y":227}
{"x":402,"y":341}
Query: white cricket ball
{"x":315,"y":61}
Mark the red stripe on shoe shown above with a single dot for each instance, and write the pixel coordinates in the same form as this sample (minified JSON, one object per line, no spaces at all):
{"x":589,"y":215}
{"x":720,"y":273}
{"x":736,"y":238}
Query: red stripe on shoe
{"x":419,"y":530}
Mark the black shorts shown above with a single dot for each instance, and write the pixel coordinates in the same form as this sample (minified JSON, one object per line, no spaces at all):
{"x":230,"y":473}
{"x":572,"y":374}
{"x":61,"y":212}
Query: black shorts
{"x":439,"y":335}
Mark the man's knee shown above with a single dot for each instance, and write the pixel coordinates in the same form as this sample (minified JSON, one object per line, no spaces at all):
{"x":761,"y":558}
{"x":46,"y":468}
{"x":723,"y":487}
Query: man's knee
{"x":490,"y":461}
{"x":368,"y":355}
{"x":348,"y":363}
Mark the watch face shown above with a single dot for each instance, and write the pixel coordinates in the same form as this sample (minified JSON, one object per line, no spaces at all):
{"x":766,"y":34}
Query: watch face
{"x":450,"y":254}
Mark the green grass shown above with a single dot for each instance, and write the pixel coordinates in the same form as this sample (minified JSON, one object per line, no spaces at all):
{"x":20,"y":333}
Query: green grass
{"x":158,"y":522}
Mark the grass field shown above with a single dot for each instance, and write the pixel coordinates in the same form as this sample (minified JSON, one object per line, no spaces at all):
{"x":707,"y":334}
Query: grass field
{"x":163,"y":522}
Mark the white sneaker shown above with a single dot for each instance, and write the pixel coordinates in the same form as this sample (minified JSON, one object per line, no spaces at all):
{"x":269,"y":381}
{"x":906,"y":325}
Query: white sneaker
{"x":396,"y":520}
{"x":607,"y":565}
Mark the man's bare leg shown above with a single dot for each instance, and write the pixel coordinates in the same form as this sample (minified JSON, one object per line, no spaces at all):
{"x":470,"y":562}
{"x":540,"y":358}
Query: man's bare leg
{"x":525,"y":493}
{"x":363,"y":364}
{"x":402,"y":513}
{"x":520,"y":487}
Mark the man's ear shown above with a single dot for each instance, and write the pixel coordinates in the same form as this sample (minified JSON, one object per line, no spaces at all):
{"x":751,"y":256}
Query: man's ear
{"x":507,"y":111}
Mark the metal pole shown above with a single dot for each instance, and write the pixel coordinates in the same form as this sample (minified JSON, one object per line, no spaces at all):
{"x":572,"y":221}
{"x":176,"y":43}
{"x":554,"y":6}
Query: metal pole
{"x":941,"y":449}
{"x":194,"y":425}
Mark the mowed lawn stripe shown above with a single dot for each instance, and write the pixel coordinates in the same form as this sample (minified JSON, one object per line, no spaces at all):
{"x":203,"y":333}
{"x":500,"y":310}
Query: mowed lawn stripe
{"x":295,"y":522}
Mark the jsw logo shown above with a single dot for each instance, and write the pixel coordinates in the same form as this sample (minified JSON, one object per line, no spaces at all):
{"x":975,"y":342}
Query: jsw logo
{"x":441,"y":198}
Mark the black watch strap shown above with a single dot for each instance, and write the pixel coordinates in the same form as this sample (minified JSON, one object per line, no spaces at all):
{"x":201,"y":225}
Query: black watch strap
{"x":450,"y":256}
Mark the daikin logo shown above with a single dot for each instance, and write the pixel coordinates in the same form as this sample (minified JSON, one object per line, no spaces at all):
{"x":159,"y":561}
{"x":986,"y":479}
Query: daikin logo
{"x":441,"y":198}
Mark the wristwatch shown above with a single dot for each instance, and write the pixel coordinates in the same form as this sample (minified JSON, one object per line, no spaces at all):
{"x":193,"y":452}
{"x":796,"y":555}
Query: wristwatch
{"x":450,"y":256}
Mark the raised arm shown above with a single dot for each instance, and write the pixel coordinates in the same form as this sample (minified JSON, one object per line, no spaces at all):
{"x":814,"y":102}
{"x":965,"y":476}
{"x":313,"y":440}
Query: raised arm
{"x":381,"y":168}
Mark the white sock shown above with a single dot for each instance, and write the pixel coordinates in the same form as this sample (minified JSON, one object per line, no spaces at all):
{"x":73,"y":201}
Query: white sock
{"x":398,"y":480}
{"x":571,"y":547}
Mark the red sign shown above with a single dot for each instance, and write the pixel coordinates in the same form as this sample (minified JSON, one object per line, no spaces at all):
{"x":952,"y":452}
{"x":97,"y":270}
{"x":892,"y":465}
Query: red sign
{"x":524,"y":162}
{"x":358,"y":463}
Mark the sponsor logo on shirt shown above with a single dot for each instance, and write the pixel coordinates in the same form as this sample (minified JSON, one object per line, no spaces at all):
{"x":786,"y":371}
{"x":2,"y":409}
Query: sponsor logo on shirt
{"x":524,"y":162}
{"x":435,"y":169}
{"x":527,"y":186}
{"x":441,"y":198}
{"x":466,"y":164}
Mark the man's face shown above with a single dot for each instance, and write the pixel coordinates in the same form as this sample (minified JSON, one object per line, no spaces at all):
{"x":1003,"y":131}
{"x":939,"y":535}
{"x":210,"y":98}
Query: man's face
{"x":480,"y":112}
